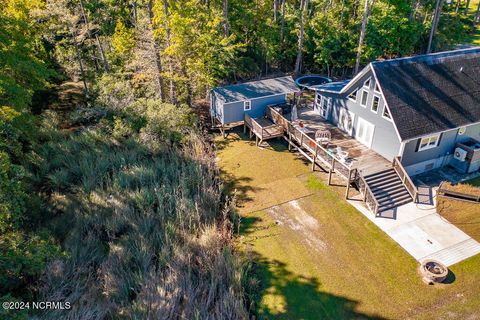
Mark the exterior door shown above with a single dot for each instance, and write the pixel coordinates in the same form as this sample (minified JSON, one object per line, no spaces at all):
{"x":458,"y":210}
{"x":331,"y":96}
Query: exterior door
{"x":364,"y":132}
{"x":322,"y":105}
{"x":345,"y":120}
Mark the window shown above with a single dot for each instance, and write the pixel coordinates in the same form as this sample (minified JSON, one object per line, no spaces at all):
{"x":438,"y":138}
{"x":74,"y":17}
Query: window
{"x":385,"y":113}
{"x":429,"y":142}
{"x":375,"y":103}
{"x":363,"y":102}
{"x":377,"y":88}
{"x":247,"y":105}
{"x":324,"y":107}
{"x":366,"y":84}
{"x":353,"y":96}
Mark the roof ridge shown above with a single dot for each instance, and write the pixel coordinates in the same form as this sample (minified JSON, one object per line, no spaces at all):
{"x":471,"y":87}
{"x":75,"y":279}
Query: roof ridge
{"x":430,"y":57}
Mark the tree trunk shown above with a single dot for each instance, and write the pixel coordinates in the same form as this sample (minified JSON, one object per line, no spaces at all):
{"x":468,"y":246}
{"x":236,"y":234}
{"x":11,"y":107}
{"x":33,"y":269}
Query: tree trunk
{"x":362,"y":36}
{"x":476,"y":19}
{"x":97,"y":39}
{"x":225,"y":18}
{"x":458,"y":6}
{"x":283,"y":20}
{"x":173,"y":88}
{"x":275,"y":11}
{"x":156,"y":52}
{"x":134,"y":14}
{"x":188,"y":84}
{"x":466,"y":8}
{"x":413,"y":12}
{"x":435,"y":19}
{"x":298,"y":62}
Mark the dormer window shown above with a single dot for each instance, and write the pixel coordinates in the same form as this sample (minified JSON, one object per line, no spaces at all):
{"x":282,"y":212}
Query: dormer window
{"x":366,"y":84}
{"x":385,"y":113}
{"x":353,"y":96}
{"x":375,"y":103}
{"x":247,"y":105}
{"x":364,"y":98}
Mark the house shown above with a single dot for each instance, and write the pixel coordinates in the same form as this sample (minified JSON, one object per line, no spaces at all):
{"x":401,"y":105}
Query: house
{"x":418,"y":108}
{"x":229,"y":104}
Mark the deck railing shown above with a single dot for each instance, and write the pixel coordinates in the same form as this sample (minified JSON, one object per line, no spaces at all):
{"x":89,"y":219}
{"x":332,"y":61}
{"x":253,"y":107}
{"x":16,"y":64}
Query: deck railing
{"x":317,"y":151}
{"x":407,"y":182}
{"x":367,"y":193}
{"x":254,"y":125}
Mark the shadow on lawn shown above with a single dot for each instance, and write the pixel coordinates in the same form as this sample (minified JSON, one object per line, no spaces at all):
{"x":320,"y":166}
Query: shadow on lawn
{"x":277,"y":293}
{"x":292,"y":296}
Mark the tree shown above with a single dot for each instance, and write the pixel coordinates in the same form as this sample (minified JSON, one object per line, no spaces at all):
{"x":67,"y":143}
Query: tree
{"x":156,"y":53}
{"x":303,"y":18}
{"x":362,"y":35}
{"x":435,"y":19}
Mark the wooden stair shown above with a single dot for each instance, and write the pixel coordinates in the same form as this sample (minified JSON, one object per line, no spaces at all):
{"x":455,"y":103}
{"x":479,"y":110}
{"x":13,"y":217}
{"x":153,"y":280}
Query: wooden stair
{"x":388,"y":189}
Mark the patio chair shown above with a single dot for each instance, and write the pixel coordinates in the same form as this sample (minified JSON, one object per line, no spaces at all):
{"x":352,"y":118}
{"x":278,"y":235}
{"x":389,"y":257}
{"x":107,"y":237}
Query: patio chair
{"x":323,"y":136}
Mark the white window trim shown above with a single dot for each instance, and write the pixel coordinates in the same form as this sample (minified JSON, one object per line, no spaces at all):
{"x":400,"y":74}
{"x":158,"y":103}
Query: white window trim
{"x":245,"y":103}
{"x":361,"y":98}
{"x":383,"y":113}
{"x":364,"y":83}
{"x":428,"y":145}
{"x":378,"y":105}
{"x":376,"y":87}
{"x":356,"y":96}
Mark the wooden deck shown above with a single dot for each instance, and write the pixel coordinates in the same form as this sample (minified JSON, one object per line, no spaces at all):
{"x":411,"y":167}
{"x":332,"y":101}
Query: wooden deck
{"x":262,"y":128}
{"x":360,"y":156}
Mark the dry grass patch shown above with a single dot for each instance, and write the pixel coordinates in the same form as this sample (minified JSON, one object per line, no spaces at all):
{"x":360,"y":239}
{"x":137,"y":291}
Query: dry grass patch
{"x":465,"y":215}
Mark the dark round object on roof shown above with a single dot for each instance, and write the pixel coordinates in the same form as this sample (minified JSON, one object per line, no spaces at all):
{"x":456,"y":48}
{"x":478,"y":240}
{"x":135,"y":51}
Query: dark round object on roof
{"x":311,"y":80}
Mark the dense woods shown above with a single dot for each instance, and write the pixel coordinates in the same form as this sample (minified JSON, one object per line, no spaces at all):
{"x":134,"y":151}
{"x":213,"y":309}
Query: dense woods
{"x":110,"y":197}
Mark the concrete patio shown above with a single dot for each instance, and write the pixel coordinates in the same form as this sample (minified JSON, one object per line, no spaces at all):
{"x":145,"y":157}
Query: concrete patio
{"x":422,"y":232}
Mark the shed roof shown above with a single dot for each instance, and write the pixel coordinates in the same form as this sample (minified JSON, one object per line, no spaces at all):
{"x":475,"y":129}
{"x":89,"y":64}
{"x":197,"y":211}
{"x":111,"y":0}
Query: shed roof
{"x":255,"y":89}
{"x":431,"y":93}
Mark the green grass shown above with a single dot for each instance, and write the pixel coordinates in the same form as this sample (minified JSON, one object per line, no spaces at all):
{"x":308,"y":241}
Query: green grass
{"x":316,"y":257}
{"x":474,"y":182}
{"x":473,"y":37}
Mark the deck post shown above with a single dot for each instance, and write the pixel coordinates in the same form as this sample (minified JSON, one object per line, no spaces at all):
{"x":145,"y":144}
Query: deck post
{"x":329,"y":176}
{"x":289,"y":141}
{"x":348,"y":184}
{"x":256,"y":140}
{"x":244,"y":128}
{"x":314,"y":157}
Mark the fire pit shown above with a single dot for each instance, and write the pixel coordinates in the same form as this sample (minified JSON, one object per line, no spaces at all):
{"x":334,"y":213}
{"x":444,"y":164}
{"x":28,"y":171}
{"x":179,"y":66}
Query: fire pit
{"x":433,"y":271}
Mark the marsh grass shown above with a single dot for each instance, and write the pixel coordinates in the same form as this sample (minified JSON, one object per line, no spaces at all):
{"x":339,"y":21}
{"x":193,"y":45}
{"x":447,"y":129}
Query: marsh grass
{"x":145,"y":228}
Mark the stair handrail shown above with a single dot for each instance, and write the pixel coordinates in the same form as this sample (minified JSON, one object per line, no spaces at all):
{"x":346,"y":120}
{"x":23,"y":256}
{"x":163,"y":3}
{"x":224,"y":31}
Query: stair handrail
{"x":305,"y":140}
{"x":406,"y":180}
{"x":367,"y":192}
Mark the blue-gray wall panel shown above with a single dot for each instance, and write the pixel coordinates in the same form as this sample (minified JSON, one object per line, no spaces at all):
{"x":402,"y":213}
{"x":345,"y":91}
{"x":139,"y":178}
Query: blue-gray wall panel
{"x":445,"y":147}
{"x":233,"y":112}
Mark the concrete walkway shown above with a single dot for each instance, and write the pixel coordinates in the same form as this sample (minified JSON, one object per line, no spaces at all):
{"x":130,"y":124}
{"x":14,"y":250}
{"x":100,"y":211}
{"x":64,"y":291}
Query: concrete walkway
{"x":423,"y":233}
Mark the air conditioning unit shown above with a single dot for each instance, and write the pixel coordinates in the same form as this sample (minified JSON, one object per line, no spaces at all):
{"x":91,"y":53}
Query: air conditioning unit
{"x":460,"y":154}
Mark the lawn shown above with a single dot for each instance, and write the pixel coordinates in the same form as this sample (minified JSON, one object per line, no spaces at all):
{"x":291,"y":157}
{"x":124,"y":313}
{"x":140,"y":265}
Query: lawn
{"x":316,"y":257}
{"x":465,"y":215}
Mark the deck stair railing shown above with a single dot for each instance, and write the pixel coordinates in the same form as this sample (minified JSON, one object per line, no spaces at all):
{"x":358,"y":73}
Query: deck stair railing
{"x":368,"y":196}
{"x":406,"y":180}
{"x":312,"y":150}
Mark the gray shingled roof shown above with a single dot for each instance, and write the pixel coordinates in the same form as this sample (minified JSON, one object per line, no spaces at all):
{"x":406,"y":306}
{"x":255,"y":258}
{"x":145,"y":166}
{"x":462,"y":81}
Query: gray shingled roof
{"x":255,"y":89}
{"x":431,"y":93}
